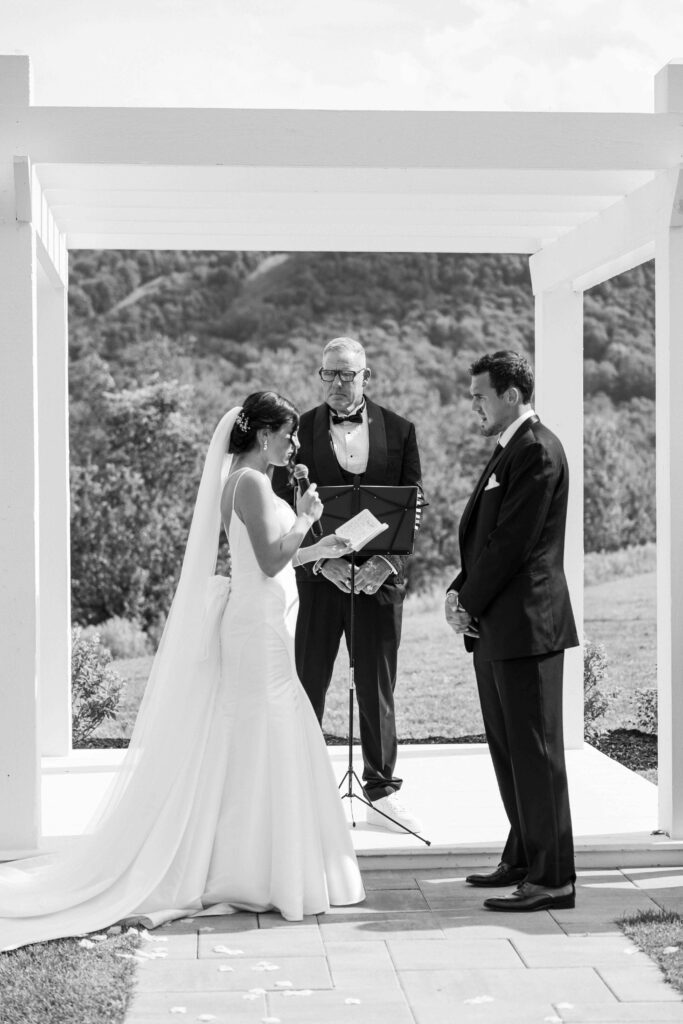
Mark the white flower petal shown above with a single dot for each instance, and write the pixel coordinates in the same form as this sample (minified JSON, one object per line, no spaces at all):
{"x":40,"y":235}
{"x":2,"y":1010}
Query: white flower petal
{"x":668,"y":950}
{"x":257,"y":991}
{"x":283,"y":984}
{"x":206,"y":1017}
{"x":479,"y":999}
{"x":86,"y":944}
{"x":178,"y":1009}
{"x":225,"y":967}
{"x":352,"y":1002}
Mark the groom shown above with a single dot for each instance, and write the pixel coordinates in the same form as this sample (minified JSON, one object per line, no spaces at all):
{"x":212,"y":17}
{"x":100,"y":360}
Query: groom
{"x":345,"y":439}
{"x":511,"y":603}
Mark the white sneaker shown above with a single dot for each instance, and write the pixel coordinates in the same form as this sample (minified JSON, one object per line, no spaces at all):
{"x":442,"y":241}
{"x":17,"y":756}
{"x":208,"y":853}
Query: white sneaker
{"x":392,"y":806}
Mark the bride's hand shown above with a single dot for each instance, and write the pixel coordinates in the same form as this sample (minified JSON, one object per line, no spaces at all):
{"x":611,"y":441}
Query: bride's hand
{"x":309,"y":504}
{"x":333,"y":547}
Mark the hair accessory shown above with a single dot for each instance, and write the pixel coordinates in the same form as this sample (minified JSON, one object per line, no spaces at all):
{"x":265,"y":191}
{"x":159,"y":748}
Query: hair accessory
{"x":242,"y":422}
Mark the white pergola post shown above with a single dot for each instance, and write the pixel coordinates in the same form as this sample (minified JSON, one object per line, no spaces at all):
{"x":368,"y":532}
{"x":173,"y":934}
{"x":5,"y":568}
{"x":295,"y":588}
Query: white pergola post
{"x":55,"y":568}
{"x":559,"y":403}
{"x":19,"y":522}
{"x":669,"y":361}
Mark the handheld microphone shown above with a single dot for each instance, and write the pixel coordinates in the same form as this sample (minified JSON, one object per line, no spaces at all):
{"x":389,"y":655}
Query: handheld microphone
{"x":301,"y":477}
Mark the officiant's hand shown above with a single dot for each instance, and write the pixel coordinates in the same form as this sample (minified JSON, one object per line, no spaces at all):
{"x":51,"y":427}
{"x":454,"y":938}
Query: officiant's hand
{"x":371,"y":575}
{"x":338,"y":571}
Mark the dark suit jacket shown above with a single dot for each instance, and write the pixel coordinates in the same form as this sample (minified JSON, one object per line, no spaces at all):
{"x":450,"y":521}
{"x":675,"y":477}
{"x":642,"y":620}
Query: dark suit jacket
{"x":393,"y":460}
{"x":512,"y":550}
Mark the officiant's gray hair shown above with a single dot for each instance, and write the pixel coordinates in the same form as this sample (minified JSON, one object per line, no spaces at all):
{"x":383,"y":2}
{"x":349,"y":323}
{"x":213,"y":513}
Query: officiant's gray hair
{"x":345,"y":345}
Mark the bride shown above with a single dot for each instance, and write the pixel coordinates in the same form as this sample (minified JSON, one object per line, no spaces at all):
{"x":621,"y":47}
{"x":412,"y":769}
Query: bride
{"x":226,"y":798}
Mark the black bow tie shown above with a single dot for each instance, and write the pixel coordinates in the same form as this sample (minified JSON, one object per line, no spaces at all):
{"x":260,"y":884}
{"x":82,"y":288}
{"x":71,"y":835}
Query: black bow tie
{"x":355,"y":417}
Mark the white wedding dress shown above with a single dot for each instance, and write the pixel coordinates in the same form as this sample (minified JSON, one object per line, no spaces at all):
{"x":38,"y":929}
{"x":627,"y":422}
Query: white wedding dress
{"x":226,"y":798}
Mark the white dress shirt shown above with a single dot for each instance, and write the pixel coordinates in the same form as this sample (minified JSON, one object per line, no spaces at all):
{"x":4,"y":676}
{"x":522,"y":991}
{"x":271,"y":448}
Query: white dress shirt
{"x":351,"y":443}
{"x":510,"y":431}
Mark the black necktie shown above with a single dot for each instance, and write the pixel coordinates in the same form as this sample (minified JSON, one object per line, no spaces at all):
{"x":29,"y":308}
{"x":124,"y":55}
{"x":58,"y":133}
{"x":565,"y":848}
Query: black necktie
{"x":355,"y":417}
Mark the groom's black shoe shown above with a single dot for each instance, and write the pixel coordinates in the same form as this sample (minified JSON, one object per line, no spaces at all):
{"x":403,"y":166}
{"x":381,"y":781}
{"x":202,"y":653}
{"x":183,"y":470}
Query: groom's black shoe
{"x":534,"y":897}
{"x":503,"y":875}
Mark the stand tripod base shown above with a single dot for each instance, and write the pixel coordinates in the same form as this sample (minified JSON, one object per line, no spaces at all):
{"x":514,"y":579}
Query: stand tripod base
{"x":351,"y":776}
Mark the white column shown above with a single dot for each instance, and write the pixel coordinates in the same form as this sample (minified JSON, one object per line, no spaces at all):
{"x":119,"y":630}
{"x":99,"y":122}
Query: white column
{"x":669,"y":414}
{"x":669,"y":358}
{"x":19,"y":602}
{"x":559,"y":403}
{"x":55,"y":577}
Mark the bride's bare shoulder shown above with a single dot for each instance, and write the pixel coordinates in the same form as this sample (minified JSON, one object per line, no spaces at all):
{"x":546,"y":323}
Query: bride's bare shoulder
{"x":244,"y":487}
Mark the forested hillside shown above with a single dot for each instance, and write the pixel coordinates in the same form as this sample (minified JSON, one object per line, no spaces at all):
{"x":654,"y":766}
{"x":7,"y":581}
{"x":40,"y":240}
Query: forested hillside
{"x":163,"y":342}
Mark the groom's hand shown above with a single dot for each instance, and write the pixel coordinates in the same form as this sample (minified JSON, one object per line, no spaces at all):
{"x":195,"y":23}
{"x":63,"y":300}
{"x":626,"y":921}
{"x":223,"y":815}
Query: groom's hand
{"x":338,"y":571}
{"x":456,"y":617}
{"x":371,"y":575}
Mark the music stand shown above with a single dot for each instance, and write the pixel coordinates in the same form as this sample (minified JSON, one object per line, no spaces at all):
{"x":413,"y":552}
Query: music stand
{"x":398,"y":507}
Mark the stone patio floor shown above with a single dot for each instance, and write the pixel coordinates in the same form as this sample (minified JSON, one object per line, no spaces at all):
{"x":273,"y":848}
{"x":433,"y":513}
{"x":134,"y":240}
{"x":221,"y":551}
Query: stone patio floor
{"x":420,"y":950}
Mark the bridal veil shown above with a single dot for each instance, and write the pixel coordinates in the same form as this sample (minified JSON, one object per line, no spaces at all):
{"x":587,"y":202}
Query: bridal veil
{"x":146,"y":851}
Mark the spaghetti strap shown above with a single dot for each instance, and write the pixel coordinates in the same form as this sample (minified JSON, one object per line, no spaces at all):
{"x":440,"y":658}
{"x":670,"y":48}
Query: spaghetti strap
{"x":238,"y":474}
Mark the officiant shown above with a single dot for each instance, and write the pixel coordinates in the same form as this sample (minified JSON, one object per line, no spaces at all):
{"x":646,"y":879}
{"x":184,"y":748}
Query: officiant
{"x":347,"y":439}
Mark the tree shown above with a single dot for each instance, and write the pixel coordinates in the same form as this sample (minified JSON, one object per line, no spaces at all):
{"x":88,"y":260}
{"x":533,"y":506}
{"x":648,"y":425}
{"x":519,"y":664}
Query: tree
{"x":131,"y":504}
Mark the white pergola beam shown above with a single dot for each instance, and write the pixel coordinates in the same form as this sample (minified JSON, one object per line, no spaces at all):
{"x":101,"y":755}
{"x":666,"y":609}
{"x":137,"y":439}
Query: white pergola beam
{"x":571,"y":208}
{"x":522,"y":182}
{"x":307,"y":242}
{"x":612,"y":241}
{"x":32,"y":207}
{"x":247,"y":138}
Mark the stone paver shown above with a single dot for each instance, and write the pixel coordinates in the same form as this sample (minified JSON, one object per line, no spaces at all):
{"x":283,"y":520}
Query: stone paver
{"x":421,"y":950}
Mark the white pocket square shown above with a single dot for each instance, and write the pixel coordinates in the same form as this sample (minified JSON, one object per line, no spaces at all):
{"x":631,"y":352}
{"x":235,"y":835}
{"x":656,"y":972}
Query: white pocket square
{"x":492,"y":482}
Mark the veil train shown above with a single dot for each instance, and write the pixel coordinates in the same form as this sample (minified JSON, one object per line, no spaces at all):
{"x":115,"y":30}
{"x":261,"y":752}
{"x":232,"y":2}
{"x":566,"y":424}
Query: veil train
{"x":146,"y":851}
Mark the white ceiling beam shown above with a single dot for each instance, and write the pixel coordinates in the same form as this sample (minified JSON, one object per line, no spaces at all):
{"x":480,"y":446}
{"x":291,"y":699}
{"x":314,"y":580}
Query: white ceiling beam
{"x":358,"y":241}
{"x":381,"y":139}
{"x":618,"y":237}
{"x":453,"y":181}
{"x":277,"y":216}
{"x":574,"y":208}
{"x":32,"y":208}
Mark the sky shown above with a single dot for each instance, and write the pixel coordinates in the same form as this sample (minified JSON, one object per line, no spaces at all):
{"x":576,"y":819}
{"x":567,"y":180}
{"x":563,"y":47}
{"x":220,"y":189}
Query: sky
{"x":583,"y":55}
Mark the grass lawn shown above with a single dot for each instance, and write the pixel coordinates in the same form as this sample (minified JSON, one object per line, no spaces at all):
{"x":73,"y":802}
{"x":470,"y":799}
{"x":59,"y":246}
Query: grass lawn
{"x":67,"y":981}
{"x":436,"y":693}
{"x":659,"y":933}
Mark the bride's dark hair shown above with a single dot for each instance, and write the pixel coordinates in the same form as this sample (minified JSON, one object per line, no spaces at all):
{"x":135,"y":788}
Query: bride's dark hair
{"x":261,"y":409}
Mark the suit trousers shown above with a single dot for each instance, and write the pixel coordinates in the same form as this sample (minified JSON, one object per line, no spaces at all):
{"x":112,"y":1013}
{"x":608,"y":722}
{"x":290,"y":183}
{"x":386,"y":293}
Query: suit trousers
{"x":324,"y":616}
{"x":521,"y":701}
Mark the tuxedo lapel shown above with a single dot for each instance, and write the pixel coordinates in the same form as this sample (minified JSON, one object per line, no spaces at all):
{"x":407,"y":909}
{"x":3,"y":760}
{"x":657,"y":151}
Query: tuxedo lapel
{"x":494,"y":461}
{"x":325,"y":461}
{"x":377,"y":453}
{"x":495,"y":458}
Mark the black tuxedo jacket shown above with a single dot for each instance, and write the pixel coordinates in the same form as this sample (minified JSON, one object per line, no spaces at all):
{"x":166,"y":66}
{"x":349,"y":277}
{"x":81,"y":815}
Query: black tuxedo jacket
{"x":512,"y":550}
{"x":393,"y":460}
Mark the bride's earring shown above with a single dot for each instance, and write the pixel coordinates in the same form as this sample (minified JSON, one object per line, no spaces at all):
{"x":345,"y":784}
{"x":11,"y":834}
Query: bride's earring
{"x":265,"y":445}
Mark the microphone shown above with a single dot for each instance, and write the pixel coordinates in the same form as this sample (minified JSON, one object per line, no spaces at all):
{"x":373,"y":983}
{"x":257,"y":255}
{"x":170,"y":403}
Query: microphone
{"x":301,"y":477}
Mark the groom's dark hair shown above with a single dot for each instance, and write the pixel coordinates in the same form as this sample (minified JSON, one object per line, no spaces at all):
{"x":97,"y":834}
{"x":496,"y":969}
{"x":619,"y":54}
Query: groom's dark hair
{"x":506,"y":369}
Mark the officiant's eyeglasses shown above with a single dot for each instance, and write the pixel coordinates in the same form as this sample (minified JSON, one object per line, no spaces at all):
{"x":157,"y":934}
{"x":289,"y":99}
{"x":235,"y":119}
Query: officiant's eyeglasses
{"x":346,"y":376}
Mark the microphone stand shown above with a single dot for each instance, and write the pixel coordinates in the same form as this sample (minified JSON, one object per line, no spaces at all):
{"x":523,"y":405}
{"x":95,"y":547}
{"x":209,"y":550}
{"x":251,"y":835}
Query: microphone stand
{"x":350,"y":774}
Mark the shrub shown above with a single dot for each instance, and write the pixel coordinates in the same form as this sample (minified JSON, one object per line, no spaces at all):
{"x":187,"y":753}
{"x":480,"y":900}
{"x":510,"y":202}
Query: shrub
{"x":595,"y":699}
{"x":95,"y":686}
{"x":602,"y":566}
{"x":124,"y":638}
{"x":645,"y":709}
